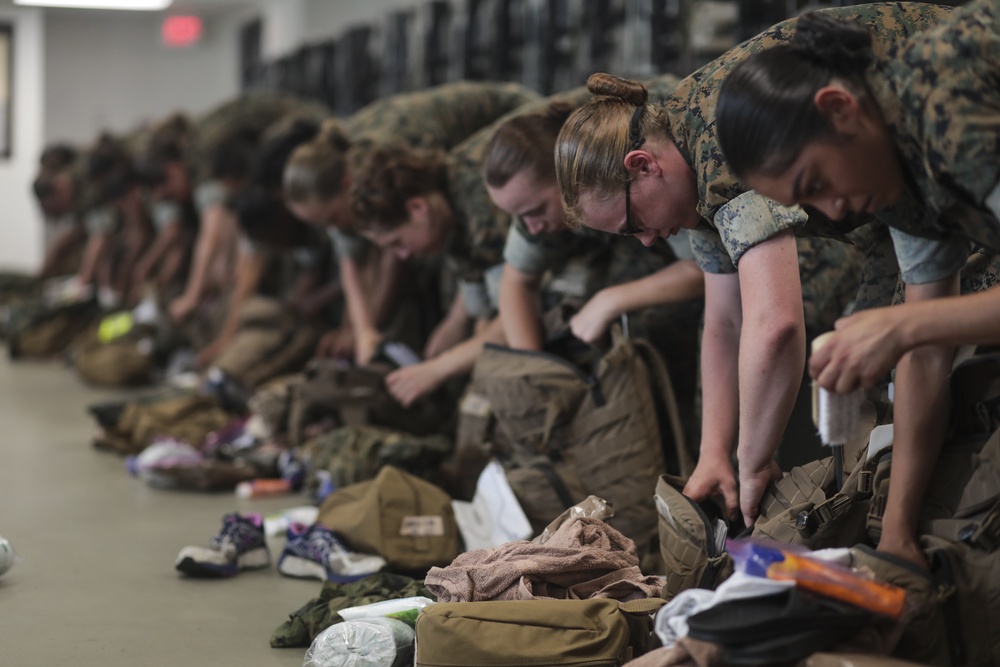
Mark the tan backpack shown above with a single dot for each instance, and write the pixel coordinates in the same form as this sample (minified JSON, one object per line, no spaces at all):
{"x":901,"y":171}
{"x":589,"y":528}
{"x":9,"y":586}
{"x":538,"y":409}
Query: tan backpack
{"x":564,"y":433}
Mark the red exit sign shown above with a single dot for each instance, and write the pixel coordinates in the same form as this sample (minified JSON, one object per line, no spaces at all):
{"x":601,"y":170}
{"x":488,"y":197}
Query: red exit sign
{"x":179,"y":32}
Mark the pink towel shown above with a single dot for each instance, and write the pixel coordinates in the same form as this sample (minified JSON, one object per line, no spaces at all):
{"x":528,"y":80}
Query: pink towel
{"x":584,"y":558}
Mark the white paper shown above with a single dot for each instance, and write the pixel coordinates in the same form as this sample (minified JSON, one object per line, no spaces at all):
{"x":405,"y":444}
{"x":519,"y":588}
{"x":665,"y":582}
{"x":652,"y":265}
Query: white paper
{"x":494,"y":516}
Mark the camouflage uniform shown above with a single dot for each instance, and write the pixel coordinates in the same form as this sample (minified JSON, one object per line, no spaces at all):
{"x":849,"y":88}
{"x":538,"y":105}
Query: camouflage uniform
{"x":735,"y":219}
{"x":940,"y":98}
{"x":248,"y":115}
{"x":438,"y":118}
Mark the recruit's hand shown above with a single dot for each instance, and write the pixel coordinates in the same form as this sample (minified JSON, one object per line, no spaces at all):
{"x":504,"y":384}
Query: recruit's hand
{"x":449,"y":333}
{"x":366,"y":346}
{"x":336,"y":344}
{"x":714,"y":476}
{"x":753,"y":483}
{"x":182,"y":307}
{"x":209,"y":353}
{"x":590,"y":324}
{"x":410,"y":383}
{"x":863,"y":348}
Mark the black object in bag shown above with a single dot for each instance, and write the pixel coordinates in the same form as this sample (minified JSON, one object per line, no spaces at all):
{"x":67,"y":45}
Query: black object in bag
{"x":777,"y":629}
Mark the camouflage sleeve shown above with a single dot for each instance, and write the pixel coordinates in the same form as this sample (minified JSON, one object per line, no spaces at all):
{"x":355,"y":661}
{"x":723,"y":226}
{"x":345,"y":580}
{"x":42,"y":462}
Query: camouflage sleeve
{"x":993,"y":202}
{"x":347,"y":245}
{"x":101,"y":220}
{"x":309,"y":258}
{"x":492,"y":281}
{"x":924,"y":260}
{"x":527,"y":253}
{"x":250,"y":248}
{"x":165,"y":213}
{"x":750,"y":219}
{"x":475,"y":298}
{"x":680,"y":243}
{"x":709,"y":251}
{"x":208,"y":193}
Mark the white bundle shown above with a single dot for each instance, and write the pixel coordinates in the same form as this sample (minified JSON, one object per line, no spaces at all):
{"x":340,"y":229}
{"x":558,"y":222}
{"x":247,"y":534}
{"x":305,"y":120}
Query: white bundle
{"x":838,"y":415}
{"x":365,"y":642}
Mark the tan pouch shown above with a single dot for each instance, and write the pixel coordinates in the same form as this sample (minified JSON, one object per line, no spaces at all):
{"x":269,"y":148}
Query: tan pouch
{"x":526,"y":633}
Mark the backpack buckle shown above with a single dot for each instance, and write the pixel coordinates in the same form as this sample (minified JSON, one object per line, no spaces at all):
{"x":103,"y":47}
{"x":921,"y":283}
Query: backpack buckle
{"x":809,"y":522}
{"x":987,"y":536}
{"x":865,"y":482}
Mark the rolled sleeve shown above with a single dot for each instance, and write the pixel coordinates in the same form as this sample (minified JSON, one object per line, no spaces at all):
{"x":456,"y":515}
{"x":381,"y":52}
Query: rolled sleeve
{"x":680,"y":244}
{"x":207,"y":194}
{"x":165,"y":213}
{"x":993,"y":201}
{"x":101,"y":221}
{"x":924,"y":260}
{"x":524,"y":253}
{"x":750,"y":219}
{"x":346,"y":245}
{"x":709,"y":251}
{"x":475,"y":298}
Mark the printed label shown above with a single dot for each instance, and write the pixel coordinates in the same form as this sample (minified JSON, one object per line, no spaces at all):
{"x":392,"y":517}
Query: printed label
{"x":422,"y":526}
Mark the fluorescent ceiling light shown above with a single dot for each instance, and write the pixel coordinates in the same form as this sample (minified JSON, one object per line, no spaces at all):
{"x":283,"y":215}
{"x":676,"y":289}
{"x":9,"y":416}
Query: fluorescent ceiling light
{"x":146,"y":5}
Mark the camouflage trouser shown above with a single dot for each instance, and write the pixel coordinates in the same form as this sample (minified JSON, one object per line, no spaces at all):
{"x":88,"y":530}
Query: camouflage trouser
{"x":320,"y":613}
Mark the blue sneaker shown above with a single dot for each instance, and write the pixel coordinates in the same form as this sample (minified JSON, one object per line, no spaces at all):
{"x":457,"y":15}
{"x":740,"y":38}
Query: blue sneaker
{"x":240,"y":545}
{"x":315,"y":552}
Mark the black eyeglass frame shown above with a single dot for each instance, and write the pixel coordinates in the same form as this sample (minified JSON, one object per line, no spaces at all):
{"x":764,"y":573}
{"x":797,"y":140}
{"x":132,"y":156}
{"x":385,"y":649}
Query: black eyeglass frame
{"x":636,"y":140}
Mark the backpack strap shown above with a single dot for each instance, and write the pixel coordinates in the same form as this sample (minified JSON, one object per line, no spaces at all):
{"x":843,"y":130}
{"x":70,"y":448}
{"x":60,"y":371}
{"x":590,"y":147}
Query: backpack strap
{"x":857,"y":486}
{"x":660,"y":379}
{"x":987,"y":536}
{"x":642,"y":605}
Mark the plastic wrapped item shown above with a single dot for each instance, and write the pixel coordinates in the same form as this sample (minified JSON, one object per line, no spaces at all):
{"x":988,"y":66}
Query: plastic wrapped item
{"x":365,"y":642}
{"x":764,"y":559}
{"x":160,"y":456}
{"x":591,"y":507}
{"x":7,"y":555}
{"x":398,"y":609}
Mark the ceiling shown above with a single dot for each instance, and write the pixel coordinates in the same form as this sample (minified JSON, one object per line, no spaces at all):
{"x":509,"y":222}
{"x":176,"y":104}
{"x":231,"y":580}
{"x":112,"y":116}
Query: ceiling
{"x":203,"y":7}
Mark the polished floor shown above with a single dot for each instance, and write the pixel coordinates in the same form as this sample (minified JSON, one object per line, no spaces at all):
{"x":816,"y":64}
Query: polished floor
{"x":95,"y":584}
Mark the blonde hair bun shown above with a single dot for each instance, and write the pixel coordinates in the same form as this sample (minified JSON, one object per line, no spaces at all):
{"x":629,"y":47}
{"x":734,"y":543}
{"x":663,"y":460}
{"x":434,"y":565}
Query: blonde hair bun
{"x":609,"y":85}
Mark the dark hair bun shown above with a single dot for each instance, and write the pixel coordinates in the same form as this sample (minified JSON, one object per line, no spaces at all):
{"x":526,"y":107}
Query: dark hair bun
{"x":609,"y":85}
{"x":844,"y":47}
{"x":558,"y":112}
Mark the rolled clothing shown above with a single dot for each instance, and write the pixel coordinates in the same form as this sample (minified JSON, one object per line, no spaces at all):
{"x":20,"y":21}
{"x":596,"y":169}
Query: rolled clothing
{"x":585,"y":558}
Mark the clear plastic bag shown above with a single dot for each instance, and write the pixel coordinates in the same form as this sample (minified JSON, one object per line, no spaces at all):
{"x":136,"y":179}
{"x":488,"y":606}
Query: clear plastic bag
{"x":591,"y":508}
{"x":365,"y":642}
{"x":394,"y":608}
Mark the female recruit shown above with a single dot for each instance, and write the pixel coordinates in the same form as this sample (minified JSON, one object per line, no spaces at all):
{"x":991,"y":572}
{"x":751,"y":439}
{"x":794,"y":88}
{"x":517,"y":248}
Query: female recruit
{"x":914,"y":140}
{"x":629,"y":167}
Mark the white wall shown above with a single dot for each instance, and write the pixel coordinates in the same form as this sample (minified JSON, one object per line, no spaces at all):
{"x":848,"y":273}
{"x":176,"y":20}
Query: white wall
{"x":108,"y":70}
{"x":20,"y":221}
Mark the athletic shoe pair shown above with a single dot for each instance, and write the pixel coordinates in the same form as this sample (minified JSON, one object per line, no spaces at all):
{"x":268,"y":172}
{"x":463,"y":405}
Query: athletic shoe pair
{"x":311,"y":552}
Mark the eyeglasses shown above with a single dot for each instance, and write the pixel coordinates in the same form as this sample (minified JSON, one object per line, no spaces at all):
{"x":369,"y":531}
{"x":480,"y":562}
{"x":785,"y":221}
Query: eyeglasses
{"x":636,"y":140}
